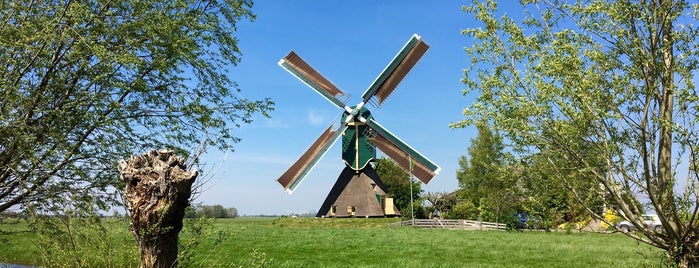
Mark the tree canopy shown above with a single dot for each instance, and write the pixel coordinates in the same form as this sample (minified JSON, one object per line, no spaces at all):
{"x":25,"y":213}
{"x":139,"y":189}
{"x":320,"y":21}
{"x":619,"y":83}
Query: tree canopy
{"x":210,"y":211}
{"x":487,"y":181}
{"x":86,"y":83}
{"x":607,"y":85}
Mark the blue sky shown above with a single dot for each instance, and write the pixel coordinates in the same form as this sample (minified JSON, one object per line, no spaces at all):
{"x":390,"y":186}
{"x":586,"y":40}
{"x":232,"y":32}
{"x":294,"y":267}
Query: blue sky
{"x":349,"y":42}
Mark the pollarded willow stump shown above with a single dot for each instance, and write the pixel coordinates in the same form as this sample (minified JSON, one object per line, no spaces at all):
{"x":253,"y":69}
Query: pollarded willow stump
{"x":158,"y":187}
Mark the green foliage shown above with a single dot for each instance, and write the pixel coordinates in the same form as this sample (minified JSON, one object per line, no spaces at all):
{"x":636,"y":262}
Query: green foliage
{"x":548,"y":191}
{"x":418,"y":208}
{"x":86,"y":83}
{"x":463,"y":210}
{"x":63,"y":240}
{"x":486,"y":179}
{"x":604,"y":90}
{"x":208,"y":211}
{"x":441,"y":201}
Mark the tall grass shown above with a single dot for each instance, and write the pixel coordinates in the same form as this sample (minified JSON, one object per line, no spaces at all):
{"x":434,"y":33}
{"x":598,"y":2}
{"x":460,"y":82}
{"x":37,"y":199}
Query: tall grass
{"x":264,"y":242}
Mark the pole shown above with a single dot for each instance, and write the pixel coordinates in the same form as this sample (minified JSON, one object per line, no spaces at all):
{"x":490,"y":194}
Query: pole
{"x":410,"y":184}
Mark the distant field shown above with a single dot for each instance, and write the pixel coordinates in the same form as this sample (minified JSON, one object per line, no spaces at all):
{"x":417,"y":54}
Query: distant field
{"x":364,"y":243}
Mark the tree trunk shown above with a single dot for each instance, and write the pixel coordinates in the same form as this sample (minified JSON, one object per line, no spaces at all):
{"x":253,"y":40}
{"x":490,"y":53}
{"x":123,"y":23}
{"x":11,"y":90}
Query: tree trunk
{"x":686,"y":259}
{"x":686,"y":253}
{"x":158,"y":187}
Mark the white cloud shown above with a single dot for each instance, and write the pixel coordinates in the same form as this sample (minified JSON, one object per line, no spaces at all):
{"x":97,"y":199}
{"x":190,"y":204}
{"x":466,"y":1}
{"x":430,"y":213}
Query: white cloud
{"x":275,"y":123}
{"x":316,"y":118}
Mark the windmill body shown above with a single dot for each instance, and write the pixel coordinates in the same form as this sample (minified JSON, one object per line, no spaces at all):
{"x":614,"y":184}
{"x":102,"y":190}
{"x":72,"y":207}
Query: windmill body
{"x":358,"y":191}
{"x":357,"y":149}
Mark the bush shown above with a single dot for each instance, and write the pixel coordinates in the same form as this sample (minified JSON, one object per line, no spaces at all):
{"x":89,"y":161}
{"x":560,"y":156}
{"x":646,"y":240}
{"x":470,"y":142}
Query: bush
{"x":67,"y":240}
{"x":462,"y":210}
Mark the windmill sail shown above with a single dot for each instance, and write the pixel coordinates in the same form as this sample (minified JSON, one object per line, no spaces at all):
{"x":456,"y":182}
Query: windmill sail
{"x":298,"y":171}
{"x":304,"y":72}
{"x":404,"y":155}
{"x":396,"y":70}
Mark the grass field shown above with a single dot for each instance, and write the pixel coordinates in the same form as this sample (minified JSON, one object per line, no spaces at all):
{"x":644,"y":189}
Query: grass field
{"x":245,"y":242}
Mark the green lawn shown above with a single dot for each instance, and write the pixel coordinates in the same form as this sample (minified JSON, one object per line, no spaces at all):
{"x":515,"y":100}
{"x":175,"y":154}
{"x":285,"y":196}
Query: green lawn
{"x":362,"y":243}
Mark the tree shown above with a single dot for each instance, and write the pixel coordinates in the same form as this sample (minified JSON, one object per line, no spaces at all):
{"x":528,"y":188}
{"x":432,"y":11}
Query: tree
{"x":86,"y":83}
{"x":433,"y":201}
{"x":464,"y":209}
{"x":231,"y":213}
{"x":443,"y":202}
{"x":485,"y":178}
{"x":613,"y":77}
{"x":548,"y":195}
{"x":208,"y":211}
{"x":398,"y":184}
{"x":158,"y":185}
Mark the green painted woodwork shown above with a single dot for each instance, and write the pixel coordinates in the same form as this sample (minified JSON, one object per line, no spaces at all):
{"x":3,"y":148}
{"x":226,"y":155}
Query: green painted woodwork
{"x":357,"y":150}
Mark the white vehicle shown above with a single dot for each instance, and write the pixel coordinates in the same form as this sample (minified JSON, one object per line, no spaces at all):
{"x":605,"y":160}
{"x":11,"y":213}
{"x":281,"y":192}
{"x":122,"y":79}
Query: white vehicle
{"x":651,"y":220}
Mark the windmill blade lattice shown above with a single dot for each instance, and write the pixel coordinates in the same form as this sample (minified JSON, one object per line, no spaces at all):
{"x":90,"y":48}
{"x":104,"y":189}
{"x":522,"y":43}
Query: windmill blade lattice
{"x":295,"y":65}
{"x":300,"y":169}
{"x":404,"y":155}
{"x":396,"y":70}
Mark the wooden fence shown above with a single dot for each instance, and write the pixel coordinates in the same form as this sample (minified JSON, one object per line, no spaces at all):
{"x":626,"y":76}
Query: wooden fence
{"x":451,"y":224}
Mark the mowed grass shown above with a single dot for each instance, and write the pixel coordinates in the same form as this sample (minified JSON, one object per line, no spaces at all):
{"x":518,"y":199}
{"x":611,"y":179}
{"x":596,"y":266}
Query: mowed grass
{"x":243,"y":242}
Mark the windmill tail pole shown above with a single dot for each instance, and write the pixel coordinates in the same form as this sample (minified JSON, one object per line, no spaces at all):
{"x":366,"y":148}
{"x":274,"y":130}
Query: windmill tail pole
{"x":157,"y":191}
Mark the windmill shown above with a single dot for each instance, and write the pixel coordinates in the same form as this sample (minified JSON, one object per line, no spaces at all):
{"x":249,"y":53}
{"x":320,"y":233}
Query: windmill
{"x":358,"y":191}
